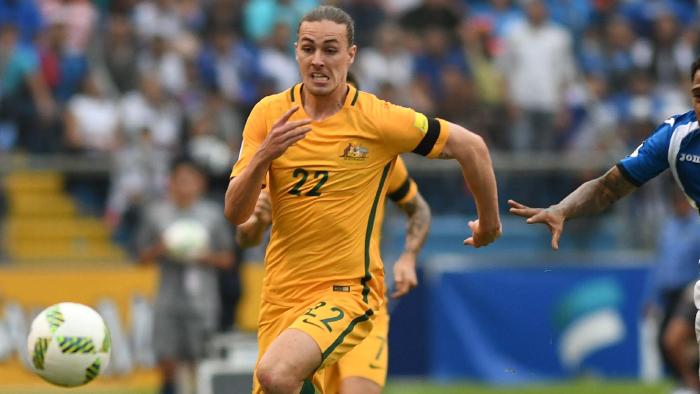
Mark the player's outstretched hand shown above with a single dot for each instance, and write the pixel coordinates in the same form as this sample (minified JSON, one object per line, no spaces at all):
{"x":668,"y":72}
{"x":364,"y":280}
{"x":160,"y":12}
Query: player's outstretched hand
{"x":405,"y":278}
{"x":553,"y":218}
{"x":284,"y":134}
{"x":482,"y":236}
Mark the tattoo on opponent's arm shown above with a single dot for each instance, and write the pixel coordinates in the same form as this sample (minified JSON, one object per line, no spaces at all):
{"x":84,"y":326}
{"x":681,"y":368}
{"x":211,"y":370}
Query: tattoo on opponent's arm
{"x":596,"y":195}
{"x":418,"y":213}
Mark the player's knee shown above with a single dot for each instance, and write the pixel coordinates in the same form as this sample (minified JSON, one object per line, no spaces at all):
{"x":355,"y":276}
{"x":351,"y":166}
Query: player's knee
{"x":276,"y":379}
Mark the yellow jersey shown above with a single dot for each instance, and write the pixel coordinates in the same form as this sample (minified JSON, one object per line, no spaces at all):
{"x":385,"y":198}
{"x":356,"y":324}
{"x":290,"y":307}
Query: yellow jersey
{"x":328,"y":190}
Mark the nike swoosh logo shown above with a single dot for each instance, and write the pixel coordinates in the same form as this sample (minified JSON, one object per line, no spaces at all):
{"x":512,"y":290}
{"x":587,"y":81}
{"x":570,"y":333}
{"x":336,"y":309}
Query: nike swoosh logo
{"x":375,"y":366}
{"x":306,"y":320}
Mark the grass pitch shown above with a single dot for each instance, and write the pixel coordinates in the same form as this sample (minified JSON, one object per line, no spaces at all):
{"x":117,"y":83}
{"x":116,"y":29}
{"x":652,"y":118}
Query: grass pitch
{"x":400,"y":386}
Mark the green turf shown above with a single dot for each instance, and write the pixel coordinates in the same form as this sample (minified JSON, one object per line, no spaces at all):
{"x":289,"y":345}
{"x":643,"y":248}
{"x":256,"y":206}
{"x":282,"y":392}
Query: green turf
{"x":424,"y":387}
{"x":578,"y":387}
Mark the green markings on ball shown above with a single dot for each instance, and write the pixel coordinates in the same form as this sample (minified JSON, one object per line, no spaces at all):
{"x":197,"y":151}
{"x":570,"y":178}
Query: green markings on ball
{"x":76,"y":345}
{"x":106,"y":342}
{"x":93,"y":370}
{"x":55,"y":319}
{"x":40,"y":347}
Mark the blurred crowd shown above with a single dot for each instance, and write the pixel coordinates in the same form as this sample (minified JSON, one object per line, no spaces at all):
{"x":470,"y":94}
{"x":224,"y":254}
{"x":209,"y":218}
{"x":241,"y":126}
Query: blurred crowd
{"x":139,"y":82}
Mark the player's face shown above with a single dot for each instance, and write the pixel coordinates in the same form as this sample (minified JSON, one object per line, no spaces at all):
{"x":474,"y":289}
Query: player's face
{"x":324,"y":56}
{"x":186,"y":184}
{"x":695,"y":93}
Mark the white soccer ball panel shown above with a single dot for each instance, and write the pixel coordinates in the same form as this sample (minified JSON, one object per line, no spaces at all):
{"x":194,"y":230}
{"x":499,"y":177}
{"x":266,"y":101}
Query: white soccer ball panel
{"x":69,"y":344}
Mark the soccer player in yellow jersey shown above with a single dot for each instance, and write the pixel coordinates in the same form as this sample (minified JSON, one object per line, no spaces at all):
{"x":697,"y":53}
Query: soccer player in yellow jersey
{"x":363,"y":370}
{"x":324,"y":150}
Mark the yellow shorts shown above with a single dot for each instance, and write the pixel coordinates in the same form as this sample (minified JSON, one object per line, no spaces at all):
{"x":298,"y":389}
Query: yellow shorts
{"x":367,"y":360}
{"x":336,"y":321}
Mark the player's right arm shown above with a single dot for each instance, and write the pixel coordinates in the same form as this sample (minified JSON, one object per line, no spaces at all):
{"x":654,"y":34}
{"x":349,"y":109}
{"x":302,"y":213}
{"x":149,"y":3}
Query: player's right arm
{"x":594,"y":196}
{"x":259,"y":149}
{"x":472,"y":154}
{"x":408,"y":130}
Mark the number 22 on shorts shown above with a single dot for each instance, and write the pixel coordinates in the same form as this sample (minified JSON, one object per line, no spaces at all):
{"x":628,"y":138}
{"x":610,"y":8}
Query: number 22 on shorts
{"x":314,"y":312}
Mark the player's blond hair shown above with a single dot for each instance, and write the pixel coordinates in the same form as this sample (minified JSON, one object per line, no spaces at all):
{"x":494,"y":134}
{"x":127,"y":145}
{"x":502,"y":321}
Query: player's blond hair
{"x":333,"y":14}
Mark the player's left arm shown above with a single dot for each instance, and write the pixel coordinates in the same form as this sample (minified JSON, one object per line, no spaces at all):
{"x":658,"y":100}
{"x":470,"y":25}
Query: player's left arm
{"x":472,"y":154}
{"x":221,"y":254}
{"x":418,"y":213}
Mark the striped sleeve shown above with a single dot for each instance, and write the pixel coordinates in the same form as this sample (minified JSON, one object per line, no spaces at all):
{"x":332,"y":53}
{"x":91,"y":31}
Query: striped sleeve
{"x":407,"y":130}
{"x":401,"y":187}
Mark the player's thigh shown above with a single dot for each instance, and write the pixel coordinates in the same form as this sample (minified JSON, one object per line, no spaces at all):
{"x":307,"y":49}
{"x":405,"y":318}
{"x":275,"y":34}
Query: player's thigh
{"x":337,"y":323}
{"x":272,"y":320}
{"x":294,"y":355}
{"x":369,"y":359}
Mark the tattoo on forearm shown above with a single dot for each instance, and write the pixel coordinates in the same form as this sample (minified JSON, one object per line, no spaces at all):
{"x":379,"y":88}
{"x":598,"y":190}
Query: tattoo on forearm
{"x":418,"y":214}
{"x":596,"y":195}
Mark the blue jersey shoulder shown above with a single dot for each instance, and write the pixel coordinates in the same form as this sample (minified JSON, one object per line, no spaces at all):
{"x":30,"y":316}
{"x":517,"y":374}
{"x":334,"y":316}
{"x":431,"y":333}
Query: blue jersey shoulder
{"x":651,"y":157}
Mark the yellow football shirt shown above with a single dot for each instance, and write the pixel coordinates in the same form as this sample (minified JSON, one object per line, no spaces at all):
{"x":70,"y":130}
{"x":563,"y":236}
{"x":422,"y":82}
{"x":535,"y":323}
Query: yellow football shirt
{"x":328,"y":190}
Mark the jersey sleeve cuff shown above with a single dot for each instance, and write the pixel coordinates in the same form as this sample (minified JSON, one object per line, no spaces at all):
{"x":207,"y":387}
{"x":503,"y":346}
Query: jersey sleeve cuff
{"x":405,"y":192}
{"x":439,"y":144}
{"x":626,"y":174}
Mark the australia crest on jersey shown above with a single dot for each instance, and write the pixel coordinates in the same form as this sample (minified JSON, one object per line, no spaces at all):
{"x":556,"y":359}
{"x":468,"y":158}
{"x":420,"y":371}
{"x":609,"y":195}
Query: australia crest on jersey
{"x":354,"y":152}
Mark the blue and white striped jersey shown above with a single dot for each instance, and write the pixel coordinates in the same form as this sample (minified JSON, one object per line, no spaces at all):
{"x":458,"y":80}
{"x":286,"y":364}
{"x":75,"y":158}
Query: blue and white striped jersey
{"x":675,"y":144}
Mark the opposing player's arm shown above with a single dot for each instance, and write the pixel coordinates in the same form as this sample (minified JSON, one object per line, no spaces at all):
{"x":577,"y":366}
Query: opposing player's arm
{"x":244,"y":189}
{"x":590,"y":198}
{"x":473,"y":156}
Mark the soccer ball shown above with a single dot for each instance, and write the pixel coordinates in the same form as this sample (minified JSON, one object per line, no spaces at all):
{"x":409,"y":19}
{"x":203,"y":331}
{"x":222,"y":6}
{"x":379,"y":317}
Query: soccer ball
{"x":69,"y":344}
{"x":186,"y":240}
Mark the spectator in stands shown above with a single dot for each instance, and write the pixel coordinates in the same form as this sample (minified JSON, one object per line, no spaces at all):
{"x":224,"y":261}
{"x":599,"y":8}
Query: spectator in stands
{"x":157,"y":17}
{"x":63,"y":68}
{"x":91,"y":125}
{"x":277,"y":61}
{"x":187,"y":302}
{"x":368,"y":16}
{"x":231,"y":65}
{"x":78,"y":17}
{"x":160,"y":59}
{"x":261,"y":16}
{"x":25,"y":15}
{"x":479,"y":46}
{"x":500,"y":15}
{"x":224,"y":15}
{"x":150,"y":108}
{"x":676,"y":268}
{"x":439,"y":57}
{"x":91,"y":120}
{"x":538,"y":64}
{"x":120,"y":53}
{"x":444,"y":14}
{"x":388,"y":61}
{"x":23,"y":95}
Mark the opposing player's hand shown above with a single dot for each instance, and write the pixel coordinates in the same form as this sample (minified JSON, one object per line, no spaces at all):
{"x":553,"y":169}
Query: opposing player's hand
{"x":482,"y":236}
{"x":405,"y":278}
{"x":553,"y":218}
{"x":284,"y":134}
